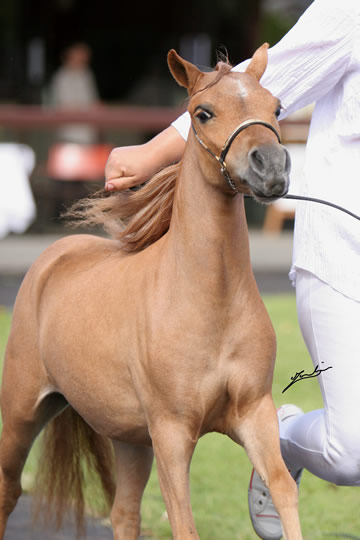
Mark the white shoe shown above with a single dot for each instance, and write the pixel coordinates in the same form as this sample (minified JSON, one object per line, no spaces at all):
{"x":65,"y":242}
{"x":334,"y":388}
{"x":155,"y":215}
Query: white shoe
{"x":264,"y":516}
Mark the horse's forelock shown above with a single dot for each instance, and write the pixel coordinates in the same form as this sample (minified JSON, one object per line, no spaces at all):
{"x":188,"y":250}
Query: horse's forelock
{"x":222,"y":68}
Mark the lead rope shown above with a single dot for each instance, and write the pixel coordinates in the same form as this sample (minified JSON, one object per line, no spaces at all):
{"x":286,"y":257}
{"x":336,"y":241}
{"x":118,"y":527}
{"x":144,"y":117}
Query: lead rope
{"x":314,"y":199}
{"x":320,"y":201}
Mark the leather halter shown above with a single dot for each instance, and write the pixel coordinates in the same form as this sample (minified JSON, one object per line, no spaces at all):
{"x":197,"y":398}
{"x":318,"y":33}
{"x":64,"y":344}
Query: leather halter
{"x":226,"y":147}
{"x":221,"y":158}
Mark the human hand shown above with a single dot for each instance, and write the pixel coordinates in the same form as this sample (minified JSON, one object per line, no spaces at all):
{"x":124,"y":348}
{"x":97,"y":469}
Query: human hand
{"x":128,"y":166}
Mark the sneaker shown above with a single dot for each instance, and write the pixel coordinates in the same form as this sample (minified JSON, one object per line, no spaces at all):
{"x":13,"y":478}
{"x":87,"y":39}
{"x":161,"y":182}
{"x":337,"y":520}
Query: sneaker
{"x":263,"y":514}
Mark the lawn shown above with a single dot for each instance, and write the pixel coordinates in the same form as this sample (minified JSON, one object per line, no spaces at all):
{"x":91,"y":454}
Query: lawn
{"x":220,"y":469}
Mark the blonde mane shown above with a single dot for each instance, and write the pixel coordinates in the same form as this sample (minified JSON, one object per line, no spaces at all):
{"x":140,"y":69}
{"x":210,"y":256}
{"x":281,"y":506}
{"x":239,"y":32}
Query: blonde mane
{"x":136,"y":219}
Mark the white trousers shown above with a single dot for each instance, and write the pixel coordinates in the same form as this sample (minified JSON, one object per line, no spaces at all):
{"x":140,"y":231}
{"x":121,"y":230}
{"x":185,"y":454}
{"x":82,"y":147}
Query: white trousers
{"x":327,"y":441}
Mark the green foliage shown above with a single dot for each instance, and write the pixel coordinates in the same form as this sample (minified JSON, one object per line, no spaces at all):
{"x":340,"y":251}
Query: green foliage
{"x":5,"y":321}
{"x":220,"y":469}
{"x":272,"y":27}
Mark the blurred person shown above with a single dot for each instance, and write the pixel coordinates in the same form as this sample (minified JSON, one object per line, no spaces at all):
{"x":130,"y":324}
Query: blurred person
{"x":317,"y":61}
{"x":73,"y":86}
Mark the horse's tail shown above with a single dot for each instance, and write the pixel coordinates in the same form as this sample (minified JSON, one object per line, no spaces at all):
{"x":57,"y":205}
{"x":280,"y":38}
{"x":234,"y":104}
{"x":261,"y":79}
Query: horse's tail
{"x":71,"y":451}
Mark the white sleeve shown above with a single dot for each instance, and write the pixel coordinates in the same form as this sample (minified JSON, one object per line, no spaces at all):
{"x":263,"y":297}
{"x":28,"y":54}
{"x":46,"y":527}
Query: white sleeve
{"x":314,"y":55}
{"x":182,"y":124}
{"x":310,"y":59}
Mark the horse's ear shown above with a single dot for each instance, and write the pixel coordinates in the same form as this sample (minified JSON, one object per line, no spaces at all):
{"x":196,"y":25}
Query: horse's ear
{"x":258,"y":62}
{"x":184,"y":72}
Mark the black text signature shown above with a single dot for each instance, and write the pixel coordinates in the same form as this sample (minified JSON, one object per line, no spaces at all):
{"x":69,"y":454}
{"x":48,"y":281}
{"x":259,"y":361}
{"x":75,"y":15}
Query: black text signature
{"x":300,"y":375}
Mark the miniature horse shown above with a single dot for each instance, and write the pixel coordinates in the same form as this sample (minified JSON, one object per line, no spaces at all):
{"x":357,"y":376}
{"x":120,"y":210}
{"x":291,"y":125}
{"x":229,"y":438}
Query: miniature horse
{"x":154,"y":348}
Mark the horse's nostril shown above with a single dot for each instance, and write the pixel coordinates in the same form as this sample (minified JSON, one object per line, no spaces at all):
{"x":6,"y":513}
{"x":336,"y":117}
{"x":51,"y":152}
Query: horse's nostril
{"x":279,"y":189}
{"x":257,"y":162}
{"x":287,"y":161}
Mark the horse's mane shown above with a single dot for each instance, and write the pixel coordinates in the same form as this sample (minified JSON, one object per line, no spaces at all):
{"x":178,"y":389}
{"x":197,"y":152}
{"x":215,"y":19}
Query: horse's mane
{"x":139,"y":218}
{"x":135,"y":218}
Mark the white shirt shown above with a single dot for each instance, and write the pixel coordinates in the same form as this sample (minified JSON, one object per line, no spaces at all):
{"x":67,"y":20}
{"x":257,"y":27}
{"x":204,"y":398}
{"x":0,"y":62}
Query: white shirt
{"x":319,"y":61}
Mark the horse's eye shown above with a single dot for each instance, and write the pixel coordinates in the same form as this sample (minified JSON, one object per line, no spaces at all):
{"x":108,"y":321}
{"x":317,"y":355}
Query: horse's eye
{"x":203,"y":116}
{"x":278,"y":111}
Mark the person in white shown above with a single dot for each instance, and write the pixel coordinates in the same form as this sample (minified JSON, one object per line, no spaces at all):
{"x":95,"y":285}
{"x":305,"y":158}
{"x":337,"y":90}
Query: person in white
{"x":317,"y":61}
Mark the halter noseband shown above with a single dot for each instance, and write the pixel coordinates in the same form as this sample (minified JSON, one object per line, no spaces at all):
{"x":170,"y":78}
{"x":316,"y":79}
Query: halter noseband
{"x":221,"y":158}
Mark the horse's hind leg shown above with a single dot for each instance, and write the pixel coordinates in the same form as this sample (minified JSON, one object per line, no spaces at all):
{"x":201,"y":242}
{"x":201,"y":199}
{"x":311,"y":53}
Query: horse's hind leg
{"x":133,"y":464}
{"x":24,"y":415}
{"x":259,"y":435}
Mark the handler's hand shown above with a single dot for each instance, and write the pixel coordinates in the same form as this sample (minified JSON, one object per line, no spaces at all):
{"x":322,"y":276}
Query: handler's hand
{"x":128,"y":166}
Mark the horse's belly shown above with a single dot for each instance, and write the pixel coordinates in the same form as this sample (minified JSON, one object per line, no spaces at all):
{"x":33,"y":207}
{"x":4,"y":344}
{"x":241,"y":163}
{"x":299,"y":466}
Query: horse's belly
{"x":96,"y":382}
{"x":113,"y":412}
{"x":119,"y":423}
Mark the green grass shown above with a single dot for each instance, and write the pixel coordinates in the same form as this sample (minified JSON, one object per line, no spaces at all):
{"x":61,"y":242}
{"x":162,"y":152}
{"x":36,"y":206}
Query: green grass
{"x":220,"y":469}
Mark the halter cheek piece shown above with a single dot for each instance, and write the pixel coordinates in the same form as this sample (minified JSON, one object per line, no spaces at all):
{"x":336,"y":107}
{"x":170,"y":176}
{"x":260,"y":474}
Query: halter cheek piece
{"x":221,"y":158}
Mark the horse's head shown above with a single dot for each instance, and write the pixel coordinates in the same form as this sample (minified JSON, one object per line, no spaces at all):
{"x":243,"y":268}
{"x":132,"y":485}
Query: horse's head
{"x":235,"y":119}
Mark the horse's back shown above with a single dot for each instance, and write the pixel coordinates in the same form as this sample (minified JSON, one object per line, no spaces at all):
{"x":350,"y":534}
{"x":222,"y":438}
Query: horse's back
{"x":71,"y":275}
{"x":74,"y":251}
{"x":65,"y":258}
{"x":45,"y":279}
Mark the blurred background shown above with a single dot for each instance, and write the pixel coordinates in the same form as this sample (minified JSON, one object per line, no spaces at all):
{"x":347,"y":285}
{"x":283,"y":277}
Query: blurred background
{"x":129,"y":41}
{"x":78,"y":78}
{"x":132,"y":94}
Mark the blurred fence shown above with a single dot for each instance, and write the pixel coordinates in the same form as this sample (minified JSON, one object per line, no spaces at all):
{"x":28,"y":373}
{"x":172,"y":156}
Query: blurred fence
{"x":140,"y":119}
{"x":143,"y":119}
{"x":116,"y":126}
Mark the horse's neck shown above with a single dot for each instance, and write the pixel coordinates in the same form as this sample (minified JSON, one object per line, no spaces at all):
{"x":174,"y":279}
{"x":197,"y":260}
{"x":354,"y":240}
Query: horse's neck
{"x":208,"y":236}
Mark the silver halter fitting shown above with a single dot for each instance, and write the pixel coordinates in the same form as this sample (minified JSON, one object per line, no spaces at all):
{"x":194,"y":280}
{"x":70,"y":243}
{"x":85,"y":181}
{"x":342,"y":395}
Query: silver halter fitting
{"x":221,"y":158}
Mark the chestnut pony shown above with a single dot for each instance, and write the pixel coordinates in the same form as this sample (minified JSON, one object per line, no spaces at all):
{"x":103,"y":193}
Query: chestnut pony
{"x":154,"y":338}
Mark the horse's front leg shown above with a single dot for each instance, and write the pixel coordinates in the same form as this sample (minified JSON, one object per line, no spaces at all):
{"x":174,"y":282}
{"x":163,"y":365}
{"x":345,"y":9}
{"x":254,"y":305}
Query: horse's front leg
{"x":258,"y":433}
{"x":173,"y":448}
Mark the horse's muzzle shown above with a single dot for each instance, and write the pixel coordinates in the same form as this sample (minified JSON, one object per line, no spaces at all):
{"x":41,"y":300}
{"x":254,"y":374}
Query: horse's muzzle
{"x":268,"y":174}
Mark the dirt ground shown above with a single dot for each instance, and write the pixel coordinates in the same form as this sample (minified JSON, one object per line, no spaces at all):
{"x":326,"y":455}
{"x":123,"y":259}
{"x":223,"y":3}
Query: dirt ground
{"x":20,"y":527}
